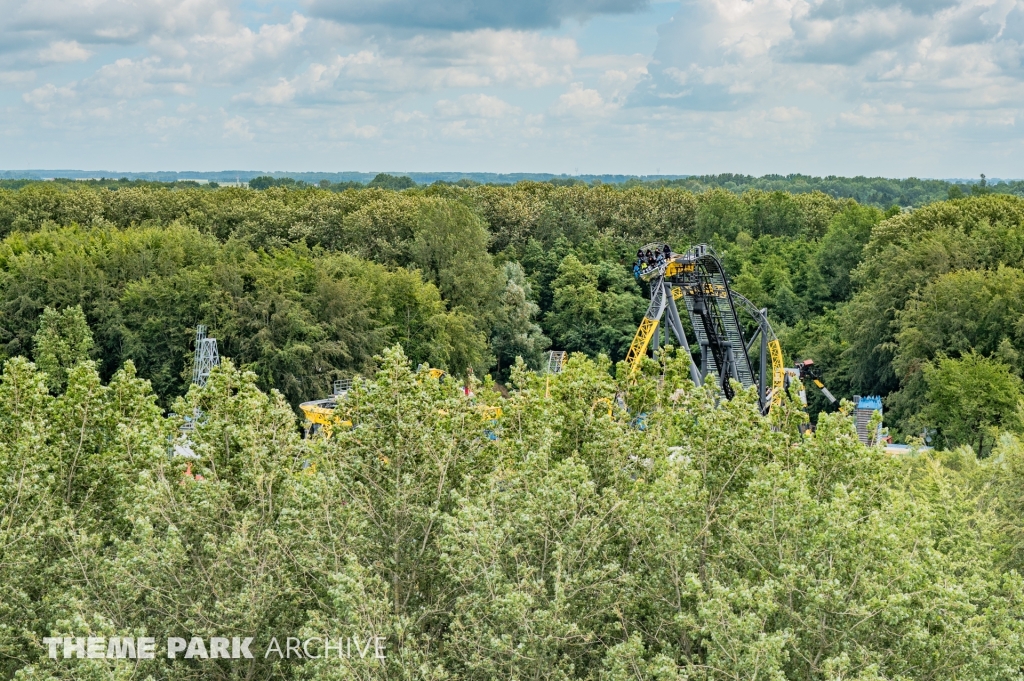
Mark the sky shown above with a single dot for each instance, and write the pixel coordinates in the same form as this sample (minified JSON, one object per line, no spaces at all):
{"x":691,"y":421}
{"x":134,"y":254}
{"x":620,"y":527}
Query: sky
{"x":925,"y":88}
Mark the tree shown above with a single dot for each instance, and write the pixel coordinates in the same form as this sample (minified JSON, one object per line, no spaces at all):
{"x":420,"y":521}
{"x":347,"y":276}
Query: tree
{"x":515,"y":333}
{"x":970,"y":398}
{"x":386,"y":181}
{"x":981,"y":188}
{"x":905,"y":254}
{"x":842,"y":247}
{"x":262,"y":182}
{"x":62,"y":341}
{"x":450,"y":248}
{"x":568,"y":544}
{"x":595,"y":308}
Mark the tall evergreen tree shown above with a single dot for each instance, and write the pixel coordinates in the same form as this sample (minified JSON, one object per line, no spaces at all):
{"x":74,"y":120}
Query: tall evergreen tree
{"x":515,"y":332}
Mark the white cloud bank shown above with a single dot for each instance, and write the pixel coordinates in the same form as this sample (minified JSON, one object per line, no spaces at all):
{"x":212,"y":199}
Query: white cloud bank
{"x":926,"y":87}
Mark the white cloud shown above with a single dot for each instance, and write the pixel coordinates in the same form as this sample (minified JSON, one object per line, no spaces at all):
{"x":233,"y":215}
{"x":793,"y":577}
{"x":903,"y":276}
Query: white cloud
{"x":99,"y":22}
{"x":408,"y":116}
{"x":17,"y":77}
{"x":425,"y":63}
{"x":489,"y":57}
{"x":42,"y":98}
{"x":237,"y":127}
{"x":744,"y":80}
{"x":279,"y":93}
{"x":476,"y":106}
{"x":133,"y":78}
{"x":727,"y":54}
{"x":231,"y":50}
{"x":349,"y":78}
{"x":364,"y":132}
{"x":582,"y":102}
{"x":61,"y":51}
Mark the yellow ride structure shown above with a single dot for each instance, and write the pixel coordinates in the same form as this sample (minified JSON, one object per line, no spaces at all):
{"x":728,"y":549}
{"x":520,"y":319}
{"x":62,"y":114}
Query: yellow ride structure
{"x":320,"y":416}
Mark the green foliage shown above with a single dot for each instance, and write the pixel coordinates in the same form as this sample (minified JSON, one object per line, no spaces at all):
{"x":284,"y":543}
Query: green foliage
{"x":842,"y":249}
{"x":605,"y":526}
{"x":297,"y":318}
{"x":266,"y":182}
{"x":386,"y":181}
{"x":449,"y":245}
{"x":713,"y":543}
{"x":515,"y":332}
{"x":62,"y":341}
{"x":879,"y":192}
{"x":942,"y":279}
{"x":305,"y":284}
{"x":969,"y":398}
{"x":595,"y":308}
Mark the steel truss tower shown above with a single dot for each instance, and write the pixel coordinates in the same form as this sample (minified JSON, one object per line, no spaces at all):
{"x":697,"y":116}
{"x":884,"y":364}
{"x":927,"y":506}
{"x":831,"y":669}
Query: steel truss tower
{"x":206,"y":356}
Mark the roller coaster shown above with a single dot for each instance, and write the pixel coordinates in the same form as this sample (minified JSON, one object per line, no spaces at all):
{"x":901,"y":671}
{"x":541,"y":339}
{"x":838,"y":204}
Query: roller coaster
{"x":732,"y":339}
{"x":718,"y":318}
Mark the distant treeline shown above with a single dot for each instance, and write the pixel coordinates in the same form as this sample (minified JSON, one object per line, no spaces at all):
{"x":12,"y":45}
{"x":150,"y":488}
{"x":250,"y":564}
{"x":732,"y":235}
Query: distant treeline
{"x":880,"y":192}
{"x":305,"y":285}
{"x":112,"y":183}
{"x":381,"y":181}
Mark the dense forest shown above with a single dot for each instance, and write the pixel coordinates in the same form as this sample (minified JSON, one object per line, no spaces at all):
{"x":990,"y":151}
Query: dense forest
{"x":663,"y":535}
{"x":880,"y":192}
{"x":303,"y":286}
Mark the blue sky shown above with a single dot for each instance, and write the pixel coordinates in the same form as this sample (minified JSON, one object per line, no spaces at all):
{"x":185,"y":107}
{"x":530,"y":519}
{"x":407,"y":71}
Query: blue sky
{"x":932,"y":88}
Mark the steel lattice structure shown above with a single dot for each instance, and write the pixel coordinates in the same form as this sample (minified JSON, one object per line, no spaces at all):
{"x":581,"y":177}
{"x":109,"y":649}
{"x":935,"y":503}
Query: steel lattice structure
{"x":698,"y":279}
{"x":206,"y":356}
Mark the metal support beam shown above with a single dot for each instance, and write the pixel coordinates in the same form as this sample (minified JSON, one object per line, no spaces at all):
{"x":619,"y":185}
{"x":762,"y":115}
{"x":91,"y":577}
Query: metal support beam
{"x":676,"y":324}
{"x":762,"y":383}
{"x":206,"y":356}
{"x":753,"y":337}
{"x":730,"y":370}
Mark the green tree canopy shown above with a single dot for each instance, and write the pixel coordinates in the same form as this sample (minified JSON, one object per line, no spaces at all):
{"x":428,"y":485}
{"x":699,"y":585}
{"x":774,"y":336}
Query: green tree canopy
{"x":712,"y":543}
{"x":969,"y":397}
{"x":515,"y":332}
{"x":62,"y":342}
{"x":595,"y":308}
{"x":386,"y":181}
{"x":870,"y":296}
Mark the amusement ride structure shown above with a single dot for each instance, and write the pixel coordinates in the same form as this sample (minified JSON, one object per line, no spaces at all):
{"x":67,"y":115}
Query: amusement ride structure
{"x":732,"y":339}
{"x":716,"y":316}
{"x":320,"y":413}
{"x":204,"y":359}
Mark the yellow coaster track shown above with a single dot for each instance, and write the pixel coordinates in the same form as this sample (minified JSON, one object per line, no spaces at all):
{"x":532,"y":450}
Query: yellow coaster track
{"x":642,"y":339}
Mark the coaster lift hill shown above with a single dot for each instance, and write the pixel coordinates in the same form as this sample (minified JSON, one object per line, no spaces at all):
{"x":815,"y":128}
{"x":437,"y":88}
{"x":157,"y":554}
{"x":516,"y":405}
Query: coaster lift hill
{"x":713,"y":309}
